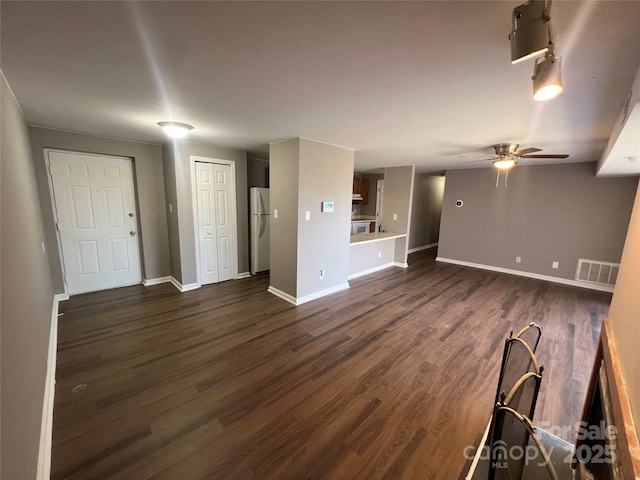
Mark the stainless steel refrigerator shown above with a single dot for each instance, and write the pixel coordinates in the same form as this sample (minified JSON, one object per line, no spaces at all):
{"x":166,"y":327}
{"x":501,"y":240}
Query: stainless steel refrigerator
{"x":259,"y":229}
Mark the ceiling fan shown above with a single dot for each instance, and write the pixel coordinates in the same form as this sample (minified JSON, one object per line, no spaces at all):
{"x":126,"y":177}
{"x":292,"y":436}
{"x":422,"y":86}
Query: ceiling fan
{"x":507,"y":154}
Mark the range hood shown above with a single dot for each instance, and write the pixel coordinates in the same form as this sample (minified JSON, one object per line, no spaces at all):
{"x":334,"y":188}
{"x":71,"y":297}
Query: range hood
{"x":356,"y":197}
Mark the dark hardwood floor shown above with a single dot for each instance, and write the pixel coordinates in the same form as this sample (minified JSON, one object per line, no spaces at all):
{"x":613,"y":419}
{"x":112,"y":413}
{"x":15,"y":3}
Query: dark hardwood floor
{"x":391,"y":378}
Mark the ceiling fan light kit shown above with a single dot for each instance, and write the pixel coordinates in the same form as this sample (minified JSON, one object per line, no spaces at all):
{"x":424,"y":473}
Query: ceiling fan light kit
{"x":504,"y":163}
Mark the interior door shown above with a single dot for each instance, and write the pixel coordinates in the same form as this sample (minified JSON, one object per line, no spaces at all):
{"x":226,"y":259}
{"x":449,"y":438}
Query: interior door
{"x":95,"y":206}
{"x":224,"y":224}
{"x":215,"y":225}
{"x":205,"y":192}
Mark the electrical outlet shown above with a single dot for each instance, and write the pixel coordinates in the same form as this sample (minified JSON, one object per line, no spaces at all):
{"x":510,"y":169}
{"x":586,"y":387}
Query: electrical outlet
{"x":321,"y":274}
{"x":42,"y":245}
{"x":395,"y":216}
{"x":379,"y":254}
{"x":518,"y":259}
{"x":307,"y":215}
{"x":170,"y":208}
{"x":275,"y":213}
{"x":555,"y":265}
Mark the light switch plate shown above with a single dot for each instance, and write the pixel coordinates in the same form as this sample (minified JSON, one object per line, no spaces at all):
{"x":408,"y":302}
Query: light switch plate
{"x":275,"y":213}
{"x":307,"y":215}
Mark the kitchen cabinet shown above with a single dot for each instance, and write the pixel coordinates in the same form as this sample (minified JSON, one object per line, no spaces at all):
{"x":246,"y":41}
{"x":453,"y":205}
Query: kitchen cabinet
{"x":361,"y":186}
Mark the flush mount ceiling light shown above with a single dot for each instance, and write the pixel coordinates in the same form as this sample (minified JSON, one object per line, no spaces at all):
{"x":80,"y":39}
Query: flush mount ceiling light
{"x":530,"y":35}
{"x":547,"y":77}
{"x":175,"y":129}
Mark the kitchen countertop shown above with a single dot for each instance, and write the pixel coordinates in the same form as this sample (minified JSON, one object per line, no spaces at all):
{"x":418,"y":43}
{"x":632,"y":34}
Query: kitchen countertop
{"x":374,"y":237}
{"x":363,"y":218}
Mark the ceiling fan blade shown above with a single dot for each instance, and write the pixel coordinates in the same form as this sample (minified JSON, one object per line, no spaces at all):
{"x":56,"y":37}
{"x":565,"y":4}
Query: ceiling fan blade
{"x":478,"y":161}
{"x":549,"y":155}
{"x":526,"y":151}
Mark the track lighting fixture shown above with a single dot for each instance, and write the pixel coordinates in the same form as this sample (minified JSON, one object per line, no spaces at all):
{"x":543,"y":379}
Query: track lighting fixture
{"x":530,"y":35}
{"x":547,"y":77}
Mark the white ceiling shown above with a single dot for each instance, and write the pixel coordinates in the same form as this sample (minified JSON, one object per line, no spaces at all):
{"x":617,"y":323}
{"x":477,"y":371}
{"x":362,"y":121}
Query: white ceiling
{"x":400,"y":83}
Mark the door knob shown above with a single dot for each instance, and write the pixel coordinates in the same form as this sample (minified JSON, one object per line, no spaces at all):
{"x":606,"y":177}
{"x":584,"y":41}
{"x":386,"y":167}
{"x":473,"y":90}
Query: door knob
{"x":132,"y":233}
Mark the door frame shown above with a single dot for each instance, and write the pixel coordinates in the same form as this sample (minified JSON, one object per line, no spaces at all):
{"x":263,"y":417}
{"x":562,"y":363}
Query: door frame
{"x":234,"y":216}
{"x":379,"y":197}
{"x":54,"y":206}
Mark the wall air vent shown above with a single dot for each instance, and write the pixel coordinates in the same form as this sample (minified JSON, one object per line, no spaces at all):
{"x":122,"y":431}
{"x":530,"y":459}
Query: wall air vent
{"x":600,"y":273}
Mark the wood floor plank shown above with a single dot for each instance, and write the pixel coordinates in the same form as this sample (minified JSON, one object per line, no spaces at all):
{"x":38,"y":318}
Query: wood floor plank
{"x":389,"y":379}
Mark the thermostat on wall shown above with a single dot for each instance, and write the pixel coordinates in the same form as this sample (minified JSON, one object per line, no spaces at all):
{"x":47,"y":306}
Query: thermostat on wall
{"x":327,"y":207}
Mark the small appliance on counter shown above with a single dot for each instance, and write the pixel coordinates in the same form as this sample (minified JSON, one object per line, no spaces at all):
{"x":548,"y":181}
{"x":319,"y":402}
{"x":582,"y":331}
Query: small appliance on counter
{"x":360,"y":227}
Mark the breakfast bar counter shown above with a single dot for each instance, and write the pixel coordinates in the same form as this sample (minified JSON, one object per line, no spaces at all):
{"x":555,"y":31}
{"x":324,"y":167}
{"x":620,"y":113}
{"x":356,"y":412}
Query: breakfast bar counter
{"x":374,"y":237}
{"x":371,"y":252}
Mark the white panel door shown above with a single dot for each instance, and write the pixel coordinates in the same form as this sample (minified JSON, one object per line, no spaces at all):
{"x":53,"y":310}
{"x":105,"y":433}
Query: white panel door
{"x":96,"y":212}
{"x":224,"y":224}
{"x":205,"y":192}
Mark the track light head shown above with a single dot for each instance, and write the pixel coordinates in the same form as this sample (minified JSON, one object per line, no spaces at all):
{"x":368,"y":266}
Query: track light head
{"x":547,"y":78}
{"x":530,"y":35}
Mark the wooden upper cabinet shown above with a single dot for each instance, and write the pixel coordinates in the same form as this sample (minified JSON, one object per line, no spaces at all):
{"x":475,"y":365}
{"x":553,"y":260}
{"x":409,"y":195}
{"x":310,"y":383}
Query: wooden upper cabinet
{"x":357,"y":185}
{"x":364,"y":190}
{"x":361,"y":186}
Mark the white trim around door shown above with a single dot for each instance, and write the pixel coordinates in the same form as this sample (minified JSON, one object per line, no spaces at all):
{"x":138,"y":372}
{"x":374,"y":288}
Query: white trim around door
{"x":232,"y":207}
{"x":93,"y":197}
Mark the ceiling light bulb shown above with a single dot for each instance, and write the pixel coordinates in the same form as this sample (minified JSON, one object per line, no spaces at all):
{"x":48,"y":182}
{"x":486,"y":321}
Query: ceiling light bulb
{"x":547,"y":78}
{"x":504,"y":163}
{"x":175,"y":129}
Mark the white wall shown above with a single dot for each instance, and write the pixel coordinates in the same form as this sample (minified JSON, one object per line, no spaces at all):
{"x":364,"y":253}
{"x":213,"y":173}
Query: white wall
{"x":179,"y":193}
{"x":283,"y":197}
{"x":397,"y":199}
{"x":624,"y":313}
{"x":303,"y":174}
{"x":26,"y":291}
{"x":326,"y":174}
{"x":546,"y":213}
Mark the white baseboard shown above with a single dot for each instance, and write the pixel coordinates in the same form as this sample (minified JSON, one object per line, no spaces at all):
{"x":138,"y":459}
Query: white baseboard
{"x":46,"y":428}
{"x":307,"y":298}
{"x":184,"y":288}
{"x":155,"y":281}
{"x":423,"y":247}
{"x":61,"y":297}
{"x":370,"y":270}
{"x":280,"y":294}
{"x":400,"y":264}
{"x":323,"y":293}
{"x":520,"y":273}
{"x":243,"y":275}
